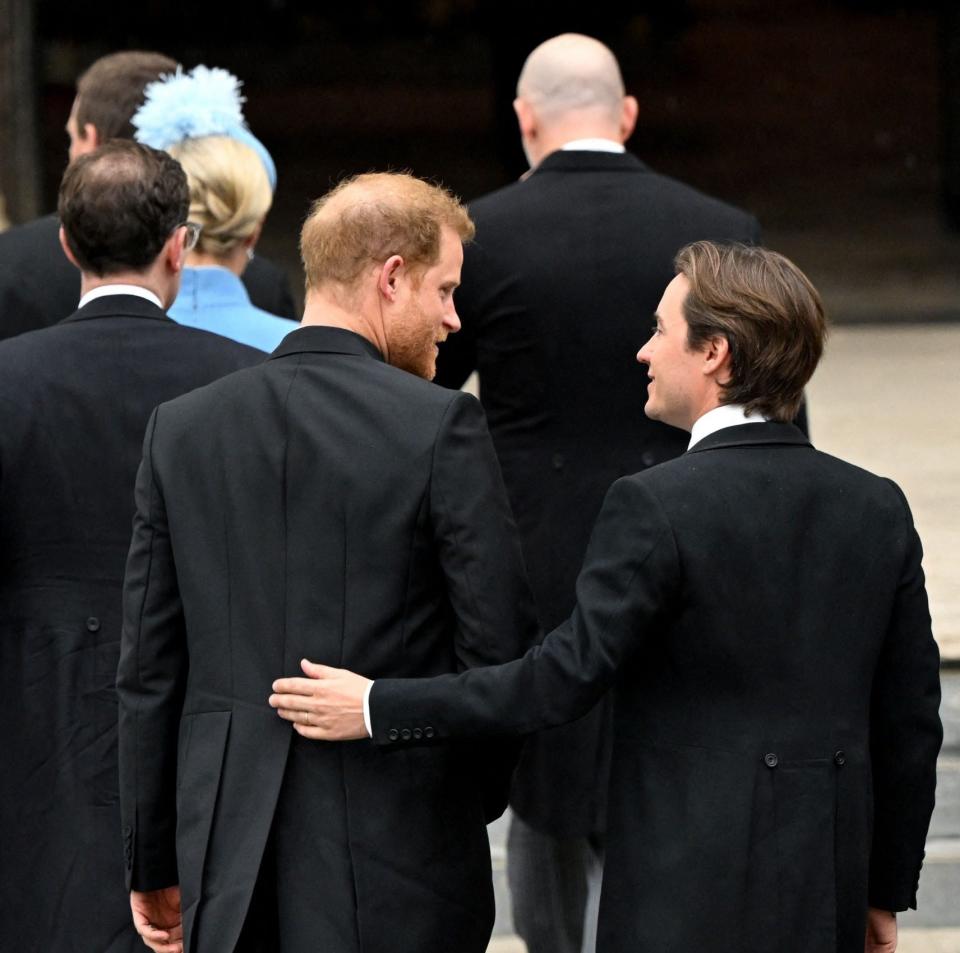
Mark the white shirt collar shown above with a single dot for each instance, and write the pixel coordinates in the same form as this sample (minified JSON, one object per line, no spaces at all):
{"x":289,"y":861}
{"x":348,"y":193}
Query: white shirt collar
{"x":593,"y":145}
{"x":726,"y":415}
{"x":135,"y":290}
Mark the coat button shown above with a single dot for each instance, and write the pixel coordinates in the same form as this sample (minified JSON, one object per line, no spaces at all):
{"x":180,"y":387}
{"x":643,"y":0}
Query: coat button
{"x":93,"y":624}
{"x":840,"y":758}
{"x":557,"y":461}
{"x":647,"y":458}
{"x":771,"y":760}
{"x":417,"y":733}
{"x":428,"y":732}
{"x":393,"y":734}
{"x":405,"y":734}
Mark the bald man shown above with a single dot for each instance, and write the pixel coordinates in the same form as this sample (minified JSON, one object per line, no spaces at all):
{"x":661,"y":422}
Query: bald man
{"x":564,"y":264}
{"x":330,"y":504}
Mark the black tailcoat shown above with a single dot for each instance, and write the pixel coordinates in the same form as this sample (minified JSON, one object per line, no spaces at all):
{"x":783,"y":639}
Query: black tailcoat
{"x":558,"y":295}
{"x":39,"y":286}
{"x":323,"y":505}
{"x":760,"y":609}
{"x":74,"y":402}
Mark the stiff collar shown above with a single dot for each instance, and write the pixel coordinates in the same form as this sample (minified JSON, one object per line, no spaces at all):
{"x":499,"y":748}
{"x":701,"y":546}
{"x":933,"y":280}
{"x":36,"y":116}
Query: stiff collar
{"x":106,"y":291}
{"x":726,"y":415}
{"x":768,"y":433}
{"x":118,"y":306}
{"x":319,"y":339}
{"x":594,"y":144}
{"x":589,"y":161}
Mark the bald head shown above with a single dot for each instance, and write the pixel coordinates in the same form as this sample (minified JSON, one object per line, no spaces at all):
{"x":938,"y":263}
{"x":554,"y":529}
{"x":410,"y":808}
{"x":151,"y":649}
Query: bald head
{"x":570,"y":88}
{"x":571,"y":73}
{"x":368,"y":218}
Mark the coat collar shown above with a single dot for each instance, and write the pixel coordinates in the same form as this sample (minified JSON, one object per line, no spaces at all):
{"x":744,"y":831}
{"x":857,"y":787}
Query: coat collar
{"x":588,"y":161}
{"x":118,"y":306}
{"x":317,"y":339}
{"x":753,"y":435}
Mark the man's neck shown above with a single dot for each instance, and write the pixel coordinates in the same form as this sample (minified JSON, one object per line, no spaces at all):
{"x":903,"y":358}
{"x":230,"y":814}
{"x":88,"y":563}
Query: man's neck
{"x":324,"y":310}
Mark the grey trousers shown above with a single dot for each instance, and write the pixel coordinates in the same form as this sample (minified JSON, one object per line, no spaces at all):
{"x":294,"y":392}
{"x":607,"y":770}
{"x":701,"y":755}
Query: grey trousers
{"x":554,"y":889}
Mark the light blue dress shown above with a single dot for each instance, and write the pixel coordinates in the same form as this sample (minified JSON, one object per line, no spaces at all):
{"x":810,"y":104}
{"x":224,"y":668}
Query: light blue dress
{"x":214,"y":299}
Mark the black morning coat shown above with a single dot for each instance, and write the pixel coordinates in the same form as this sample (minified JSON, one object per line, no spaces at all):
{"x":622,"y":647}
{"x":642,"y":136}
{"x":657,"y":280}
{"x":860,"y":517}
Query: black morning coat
{"x":39,"y":286}
{"x":323,"y":505}
{"x":558,"y":294}
{"x":759,"y":609}
{"x":74,"y":402}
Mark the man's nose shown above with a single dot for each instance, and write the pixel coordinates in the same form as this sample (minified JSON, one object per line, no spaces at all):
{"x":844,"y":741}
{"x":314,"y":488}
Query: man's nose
{"x":451,"y":320}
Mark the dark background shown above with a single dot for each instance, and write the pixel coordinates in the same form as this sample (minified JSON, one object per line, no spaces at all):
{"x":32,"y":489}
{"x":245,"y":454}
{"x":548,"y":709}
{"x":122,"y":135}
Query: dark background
{"x":830,"y":120}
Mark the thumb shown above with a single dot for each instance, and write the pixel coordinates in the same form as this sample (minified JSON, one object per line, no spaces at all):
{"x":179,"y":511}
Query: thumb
{"x":313,"y":670}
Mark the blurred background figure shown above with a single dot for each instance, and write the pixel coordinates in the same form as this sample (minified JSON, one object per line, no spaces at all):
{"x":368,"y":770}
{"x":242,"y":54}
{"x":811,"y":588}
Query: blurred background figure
{"x":38,"y":286}
{"x":197,"y":118}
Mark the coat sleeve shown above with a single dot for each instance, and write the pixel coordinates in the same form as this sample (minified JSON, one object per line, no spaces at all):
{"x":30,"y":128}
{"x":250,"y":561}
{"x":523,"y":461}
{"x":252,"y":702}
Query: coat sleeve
{"x":480,"y":557}
{"x":905,"y":736}
{"x":151,"y":681}
{"x":630,"y":575}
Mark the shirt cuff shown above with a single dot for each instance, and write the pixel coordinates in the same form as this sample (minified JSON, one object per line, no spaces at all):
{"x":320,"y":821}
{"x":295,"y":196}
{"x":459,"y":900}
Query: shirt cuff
{"x":366,"y":710}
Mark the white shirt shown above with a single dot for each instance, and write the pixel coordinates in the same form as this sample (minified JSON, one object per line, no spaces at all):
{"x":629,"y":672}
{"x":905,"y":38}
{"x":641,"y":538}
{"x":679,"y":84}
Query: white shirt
{"x":726,"y":415}
{"x":593,"y":145}
{"x":136,"y":290}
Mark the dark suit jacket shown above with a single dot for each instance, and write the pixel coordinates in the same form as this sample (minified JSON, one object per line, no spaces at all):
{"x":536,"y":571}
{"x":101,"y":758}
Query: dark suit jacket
{"x":39,"y":286}
{"x":74,"y":401}
{"x":760,"y":609}
{"x":558,"y":294}
{"x":330,"y":506}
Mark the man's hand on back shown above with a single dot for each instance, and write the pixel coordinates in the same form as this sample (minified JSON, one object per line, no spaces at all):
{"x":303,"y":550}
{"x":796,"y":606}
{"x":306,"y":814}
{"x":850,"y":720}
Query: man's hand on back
{"x":327,"y":705}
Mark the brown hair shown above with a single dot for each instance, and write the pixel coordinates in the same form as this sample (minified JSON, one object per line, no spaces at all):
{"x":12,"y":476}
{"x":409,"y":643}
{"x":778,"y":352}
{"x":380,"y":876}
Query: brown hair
{"x":769,"y":313}
{"x":119,"y":204}
{"x":368,"y":218}
{"x":110,"y":92}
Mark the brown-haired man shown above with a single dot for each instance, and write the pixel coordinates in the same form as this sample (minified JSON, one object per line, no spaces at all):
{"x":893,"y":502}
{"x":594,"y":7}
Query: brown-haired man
{"x":759,"y":608}
{"x":329,"y":504}
{"x":74,"y":401}
{"x":38,"y":286}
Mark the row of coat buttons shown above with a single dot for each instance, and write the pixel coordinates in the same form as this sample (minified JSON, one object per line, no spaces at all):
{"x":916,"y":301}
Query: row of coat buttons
{"x":405,"y":734}
{"x":771,"y":760}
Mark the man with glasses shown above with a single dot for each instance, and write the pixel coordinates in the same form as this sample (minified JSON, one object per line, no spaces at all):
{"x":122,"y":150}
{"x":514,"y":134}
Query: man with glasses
{"x":74,"y":402}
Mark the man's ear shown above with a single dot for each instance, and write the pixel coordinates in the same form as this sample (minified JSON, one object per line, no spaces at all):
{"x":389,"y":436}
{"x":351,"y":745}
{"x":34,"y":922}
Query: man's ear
{"x":388,"y":280}
{"x":717,"y":358}
{"x":174,"y":252}
{"x":629,"y":111}
{"x":65,"y":245}
{"x":92,"y":136}
{"x":526,"y":119}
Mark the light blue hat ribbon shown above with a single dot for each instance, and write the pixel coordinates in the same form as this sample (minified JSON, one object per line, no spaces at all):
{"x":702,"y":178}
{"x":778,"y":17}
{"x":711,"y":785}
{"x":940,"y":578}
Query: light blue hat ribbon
{"x":204,"y":102}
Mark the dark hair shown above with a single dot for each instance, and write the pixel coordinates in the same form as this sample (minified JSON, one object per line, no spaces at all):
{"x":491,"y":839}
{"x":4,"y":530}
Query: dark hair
{"x":769,"y":313}
{"x":110,"y":92}
{"x":119,"y":204}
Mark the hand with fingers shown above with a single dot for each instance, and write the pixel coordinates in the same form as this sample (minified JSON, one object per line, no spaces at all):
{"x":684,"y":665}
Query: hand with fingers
{"x":325,"y":705}
{"x":156,"y":916}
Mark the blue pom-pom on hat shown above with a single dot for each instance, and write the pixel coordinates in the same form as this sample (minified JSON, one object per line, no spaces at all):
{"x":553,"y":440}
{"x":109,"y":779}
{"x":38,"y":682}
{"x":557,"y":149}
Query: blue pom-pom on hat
{"x":204,"y":102}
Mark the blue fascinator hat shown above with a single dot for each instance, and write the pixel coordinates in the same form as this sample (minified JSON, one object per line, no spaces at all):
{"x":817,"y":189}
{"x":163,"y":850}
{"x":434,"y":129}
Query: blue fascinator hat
{"x":204,"y":102}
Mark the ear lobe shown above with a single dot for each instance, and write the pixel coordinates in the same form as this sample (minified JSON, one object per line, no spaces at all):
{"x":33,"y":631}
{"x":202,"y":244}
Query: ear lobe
{"x":65,"y":245}
{"x":91,"y":135}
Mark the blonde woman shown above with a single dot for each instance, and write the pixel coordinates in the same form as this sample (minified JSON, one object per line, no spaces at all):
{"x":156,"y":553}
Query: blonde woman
{"x":197,"y":118}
